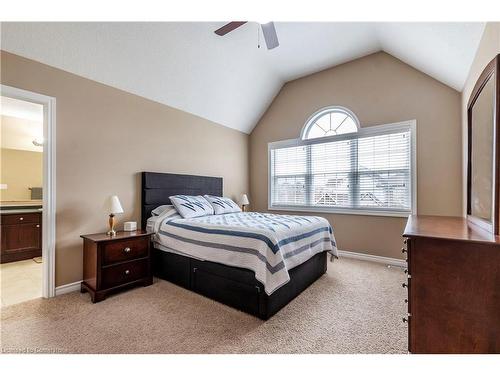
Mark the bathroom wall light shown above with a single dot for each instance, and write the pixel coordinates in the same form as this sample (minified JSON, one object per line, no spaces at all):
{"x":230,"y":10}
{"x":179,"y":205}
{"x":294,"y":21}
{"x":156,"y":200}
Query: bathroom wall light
{"x":38,"y":142}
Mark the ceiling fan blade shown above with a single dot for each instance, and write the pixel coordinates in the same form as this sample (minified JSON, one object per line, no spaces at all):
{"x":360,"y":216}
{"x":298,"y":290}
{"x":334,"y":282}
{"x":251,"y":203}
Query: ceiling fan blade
{"x":227,"y":28}
{"x":270,"y":35}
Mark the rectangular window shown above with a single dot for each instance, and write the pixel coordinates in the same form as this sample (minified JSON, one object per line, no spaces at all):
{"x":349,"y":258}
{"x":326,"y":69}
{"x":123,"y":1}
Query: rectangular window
{"x":370,"y":172}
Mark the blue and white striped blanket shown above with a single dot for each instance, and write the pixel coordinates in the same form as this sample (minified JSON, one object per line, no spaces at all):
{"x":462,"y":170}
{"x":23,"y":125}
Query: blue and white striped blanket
{"x":267,"y":244}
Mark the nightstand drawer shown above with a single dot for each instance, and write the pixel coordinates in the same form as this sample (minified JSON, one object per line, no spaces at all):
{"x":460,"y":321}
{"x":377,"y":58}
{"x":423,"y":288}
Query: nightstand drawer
{"x":124,"y":273}
{"x":120,"y":251}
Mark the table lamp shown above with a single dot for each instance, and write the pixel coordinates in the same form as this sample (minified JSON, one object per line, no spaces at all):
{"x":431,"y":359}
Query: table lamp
{"x":244,"y":202}
{"x":113,"y":206}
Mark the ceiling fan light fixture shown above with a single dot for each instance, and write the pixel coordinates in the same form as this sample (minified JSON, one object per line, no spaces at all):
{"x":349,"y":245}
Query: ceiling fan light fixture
{"x":268,"y":30}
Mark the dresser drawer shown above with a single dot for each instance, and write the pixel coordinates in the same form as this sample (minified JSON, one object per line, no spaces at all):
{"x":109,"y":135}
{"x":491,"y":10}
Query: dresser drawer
{"x":120,"y":251}
{"x":124,"y":273}
{"x":21,"y":218}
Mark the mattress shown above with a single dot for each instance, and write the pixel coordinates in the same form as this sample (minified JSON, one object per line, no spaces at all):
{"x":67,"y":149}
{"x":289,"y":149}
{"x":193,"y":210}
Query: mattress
{"x":268,"y":244}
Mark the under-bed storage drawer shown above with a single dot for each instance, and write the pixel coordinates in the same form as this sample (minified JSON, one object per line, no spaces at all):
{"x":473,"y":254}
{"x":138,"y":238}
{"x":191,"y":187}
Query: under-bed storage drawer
{"x":233,"y":286}
{"x":239,"y":295}
{"x":172,"y":267}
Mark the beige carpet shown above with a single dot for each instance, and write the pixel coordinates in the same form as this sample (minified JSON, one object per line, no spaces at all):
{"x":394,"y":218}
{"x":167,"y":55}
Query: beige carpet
{"x":355,"y":308}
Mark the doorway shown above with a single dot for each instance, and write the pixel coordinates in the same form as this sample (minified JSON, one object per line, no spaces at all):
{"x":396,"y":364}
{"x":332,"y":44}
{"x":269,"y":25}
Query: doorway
{"x":27,"y":195}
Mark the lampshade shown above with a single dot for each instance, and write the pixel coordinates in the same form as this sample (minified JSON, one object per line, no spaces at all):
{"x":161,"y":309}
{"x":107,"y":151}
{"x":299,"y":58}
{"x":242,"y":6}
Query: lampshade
{"x":244,"y":200}
{"x":112,"y":205}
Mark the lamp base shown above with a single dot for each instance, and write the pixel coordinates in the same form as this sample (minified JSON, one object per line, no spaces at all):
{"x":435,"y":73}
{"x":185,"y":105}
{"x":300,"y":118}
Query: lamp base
{"x":111,"y":233}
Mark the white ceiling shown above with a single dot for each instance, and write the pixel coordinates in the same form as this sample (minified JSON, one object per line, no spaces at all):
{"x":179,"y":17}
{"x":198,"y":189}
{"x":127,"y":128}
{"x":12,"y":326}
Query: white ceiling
{"x":21,"y":123}
{"x":21,"y":109}
{"x":228,"y":79}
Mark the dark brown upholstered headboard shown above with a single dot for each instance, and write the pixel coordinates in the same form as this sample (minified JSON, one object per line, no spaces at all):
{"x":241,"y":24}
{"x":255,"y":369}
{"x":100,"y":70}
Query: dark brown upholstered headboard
{"x":158,"y":187}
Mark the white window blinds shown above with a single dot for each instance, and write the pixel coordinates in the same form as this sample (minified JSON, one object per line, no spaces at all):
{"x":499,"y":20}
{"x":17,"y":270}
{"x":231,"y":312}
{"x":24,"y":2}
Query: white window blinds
{"x":366,"y":171}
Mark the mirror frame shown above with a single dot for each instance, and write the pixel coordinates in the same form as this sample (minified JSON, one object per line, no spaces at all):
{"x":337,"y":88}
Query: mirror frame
{"x":491,"y":69}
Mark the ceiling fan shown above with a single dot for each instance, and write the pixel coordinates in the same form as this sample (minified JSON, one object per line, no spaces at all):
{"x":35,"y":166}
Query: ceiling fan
{"x":268,"y":30}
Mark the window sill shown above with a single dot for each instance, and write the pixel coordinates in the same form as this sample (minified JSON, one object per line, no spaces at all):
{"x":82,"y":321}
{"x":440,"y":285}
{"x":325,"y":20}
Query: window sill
{"x":341,"y":211}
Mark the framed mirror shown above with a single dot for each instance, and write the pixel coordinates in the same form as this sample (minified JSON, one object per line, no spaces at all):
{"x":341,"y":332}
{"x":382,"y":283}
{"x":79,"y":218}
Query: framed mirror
{"x":483,"y":159}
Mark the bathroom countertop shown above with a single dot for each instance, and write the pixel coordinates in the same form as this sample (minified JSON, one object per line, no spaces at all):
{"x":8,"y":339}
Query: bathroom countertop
{"x":26,"y":203}
{"x":20,"y":207}
{"x":20,"y":210}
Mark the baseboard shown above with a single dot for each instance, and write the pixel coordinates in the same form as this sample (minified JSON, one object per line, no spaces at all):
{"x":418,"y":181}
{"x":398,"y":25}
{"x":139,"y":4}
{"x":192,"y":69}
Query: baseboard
{"x":68,"y":288}
{"x":373,"y":258}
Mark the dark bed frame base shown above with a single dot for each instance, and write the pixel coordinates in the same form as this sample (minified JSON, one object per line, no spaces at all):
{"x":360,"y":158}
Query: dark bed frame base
{"x":236,"y":287}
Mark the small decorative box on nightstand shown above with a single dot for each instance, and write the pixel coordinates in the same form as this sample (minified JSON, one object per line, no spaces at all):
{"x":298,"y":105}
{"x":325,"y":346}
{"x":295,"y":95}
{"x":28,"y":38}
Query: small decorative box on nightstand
{"x":112,"y":263}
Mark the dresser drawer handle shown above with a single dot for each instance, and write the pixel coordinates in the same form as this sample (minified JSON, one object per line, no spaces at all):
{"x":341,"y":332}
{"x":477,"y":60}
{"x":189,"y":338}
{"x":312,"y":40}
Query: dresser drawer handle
{"x":404,"y":285}
{"x":21,"y":218}
{"x":127,"y":272}
{"x":126,"y":250}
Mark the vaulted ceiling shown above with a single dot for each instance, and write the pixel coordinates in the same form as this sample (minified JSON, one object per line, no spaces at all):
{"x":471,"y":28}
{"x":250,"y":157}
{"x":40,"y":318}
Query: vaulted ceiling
{"x":229,"y":80}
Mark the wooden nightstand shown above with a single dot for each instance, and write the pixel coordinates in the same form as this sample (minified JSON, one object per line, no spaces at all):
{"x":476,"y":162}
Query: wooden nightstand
{"x":113,"y":263}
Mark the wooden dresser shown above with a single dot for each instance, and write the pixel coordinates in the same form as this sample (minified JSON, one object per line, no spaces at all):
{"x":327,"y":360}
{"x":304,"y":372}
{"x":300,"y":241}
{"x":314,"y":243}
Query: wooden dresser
{"x":453,"y":286}
{"x":113,"y":263}
{"x":21,"y":235}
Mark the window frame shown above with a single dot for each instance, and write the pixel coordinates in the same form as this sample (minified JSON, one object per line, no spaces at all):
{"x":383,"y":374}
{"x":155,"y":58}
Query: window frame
{"x":320,"y":113}
{"x":362,"y":132}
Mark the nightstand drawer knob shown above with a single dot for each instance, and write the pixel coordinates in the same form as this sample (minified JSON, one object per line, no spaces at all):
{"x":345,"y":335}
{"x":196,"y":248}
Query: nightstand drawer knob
{"x":126,"y":250}
{"x":21,"y":218}
{"x":38,"y":225}
{"x":127,"y":272}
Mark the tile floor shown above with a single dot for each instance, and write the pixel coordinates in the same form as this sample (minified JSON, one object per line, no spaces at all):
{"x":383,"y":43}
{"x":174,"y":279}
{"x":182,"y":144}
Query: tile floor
{"x":20,"y":281}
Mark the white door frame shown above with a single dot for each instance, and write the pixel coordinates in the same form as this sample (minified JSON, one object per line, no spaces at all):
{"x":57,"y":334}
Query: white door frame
{"x":49,"y":182}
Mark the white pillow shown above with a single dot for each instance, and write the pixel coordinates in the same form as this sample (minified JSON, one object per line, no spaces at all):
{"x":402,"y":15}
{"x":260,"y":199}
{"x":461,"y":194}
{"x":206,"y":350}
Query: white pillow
{"x":222,"y":205}
{"x":190,"y":206}
{"x":158,"y":210}
{"x":154,"y":222}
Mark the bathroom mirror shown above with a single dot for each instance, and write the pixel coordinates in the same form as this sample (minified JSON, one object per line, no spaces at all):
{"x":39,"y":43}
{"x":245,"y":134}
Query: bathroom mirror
{"x":483,"y":150}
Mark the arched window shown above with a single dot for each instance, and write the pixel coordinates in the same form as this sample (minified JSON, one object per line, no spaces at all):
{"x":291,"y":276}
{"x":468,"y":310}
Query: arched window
{"x":330,"y":121}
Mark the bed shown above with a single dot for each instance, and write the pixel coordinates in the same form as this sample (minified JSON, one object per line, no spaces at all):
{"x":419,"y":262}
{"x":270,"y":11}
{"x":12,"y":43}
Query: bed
{"x":244,"y":279}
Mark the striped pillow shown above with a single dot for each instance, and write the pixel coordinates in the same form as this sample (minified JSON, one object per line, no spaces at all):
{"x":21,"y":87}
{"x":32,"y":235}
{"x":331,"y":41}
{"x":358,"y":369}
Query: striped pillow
{"x":190,"y":206}
{"x":222,"y":205}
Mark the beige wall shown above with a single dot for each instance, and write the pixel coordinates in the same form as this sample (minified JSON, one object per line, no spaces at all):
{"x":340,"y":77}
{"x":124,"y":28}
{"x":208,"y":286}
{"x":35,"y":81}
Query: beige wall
{"x":378,"y":89}
{"x":488,"y":48}
{"x":105,"y":137}
{"x":20,"y":170}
